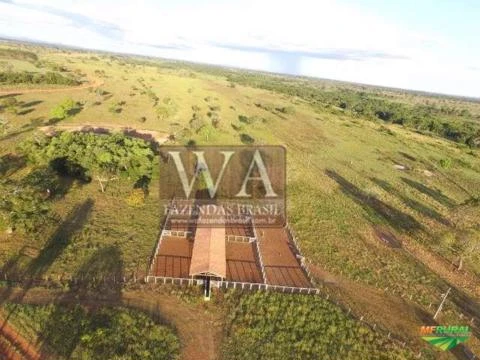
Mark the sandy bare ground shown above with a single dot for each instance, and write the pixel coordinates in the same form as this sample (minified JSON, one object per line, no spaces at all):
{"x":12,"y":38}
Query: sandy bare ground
{"x":200,"y":331}
{"x":150,"y":135}
{"x":92,"y":83}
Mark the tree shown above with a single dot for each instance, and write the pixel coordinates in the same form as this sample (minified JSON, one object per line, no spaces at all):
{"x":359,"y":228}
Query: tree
{"x":86,"y":156}
{"x":25,"y":207}
{"x":43,"y":179}
{"x":197,"y":122}
{"x":8,"y":106}
{"x":64,"y":109}
{"x":446,"y":163}
{"x":468,"y":247}
{"x":104,"y":178}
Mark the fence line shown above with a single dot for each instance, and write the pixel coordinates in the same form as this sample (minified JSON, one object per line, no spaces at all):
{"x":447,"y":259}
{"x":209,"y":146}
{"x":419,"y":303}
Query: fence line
{"x":225,"y":284}
{"x":173,"y":280}
{"x":159,"y":241}
{"x":361,"y":318}
{"x":177,"y":233}
{"x":303,"y":261}
{"x":265,"y":287}
{"x":239,"y":238}
{"x":325,"y":295}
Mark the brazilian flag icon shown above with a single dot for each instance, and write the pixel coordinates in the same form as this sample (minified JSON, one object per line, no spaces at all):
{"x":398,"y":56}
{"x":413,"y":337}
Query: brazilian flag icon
{"x":445,"y":342}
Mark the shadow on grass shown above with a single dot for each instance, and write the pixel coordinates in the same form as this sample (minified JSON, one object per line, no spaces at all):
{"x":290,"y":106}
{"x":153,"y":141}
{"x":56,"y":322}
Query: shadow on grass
{"x":101,"y":275}
{"x":413,"y":204}
{"x":434,"y":194}
{"x":407,"y":156}
{"x":16,"y":133}
{"x":11,"y":163}
{"x":26,"y":111}
{"x":75,"y":111}
{"x":375,"y":207}
{"x":57,"y":243}
{"x":38,"y":121}
{"x":99,"y":278}
{"x":246,"y":139}
{"x":9,"y":95}
{"x":31,"y":103}
{"x":70,"y":113}
{"x":38,"y":267}
{"x":469,"y":306}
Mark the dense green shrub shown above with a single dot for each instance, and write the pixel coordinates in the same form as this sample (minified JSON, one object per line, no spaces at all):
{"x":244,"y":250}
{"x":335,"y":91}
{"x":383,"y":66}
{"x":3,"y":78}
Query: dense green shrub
{"x":43,"y":179}
{"x":23,"y":207}
{"x":83,"y":155}
{"x":64,"y":109}
{"x":245,"y":119}
{"x":49,"y":78}
{"x":445,"y":163}
{"x":197,"y":122}
{"x":246,"y":139}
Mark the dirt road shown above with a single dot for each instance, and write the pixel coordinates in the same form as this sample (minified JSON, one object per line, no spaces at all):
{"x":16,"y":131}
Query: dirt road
{"x":25,"y":349}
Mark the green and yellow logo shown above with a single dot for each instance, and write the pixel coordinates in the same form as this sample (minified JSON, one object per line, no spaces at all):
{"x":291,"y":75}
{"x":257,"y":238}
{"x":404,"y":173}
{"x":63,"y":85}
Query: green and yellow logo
{"x":445,"y":337}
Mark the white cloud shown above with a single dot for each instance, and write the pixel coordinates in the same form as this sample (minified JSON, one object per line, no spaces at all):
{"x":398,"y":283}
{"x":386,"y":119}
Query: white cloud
{"x":304,"y":36}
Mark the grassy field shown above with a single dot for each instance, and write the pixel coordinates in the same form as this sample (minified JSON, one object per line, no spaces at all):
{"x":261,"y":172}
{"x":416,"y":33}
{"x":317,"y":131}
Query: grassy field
{"x":76,"y":332}
{"x":278,"y":326}
{"x":350,"y":177}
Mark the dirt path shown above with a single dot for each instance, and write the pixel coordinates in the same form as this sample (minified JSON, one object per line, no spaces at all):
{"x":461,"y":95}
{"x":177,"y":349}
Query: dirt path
{"x":27,"y":350}
{"x":444,"y":269}
{"x":391,"y":311}
{"x":90,"y":84}
{"x":398,"y":315}
{"x":199,"y":330}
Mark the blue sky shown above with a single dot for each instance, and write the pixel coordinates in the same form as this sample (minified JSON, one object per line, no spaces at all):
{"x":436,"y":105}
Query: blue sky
{"x":423,"y":45}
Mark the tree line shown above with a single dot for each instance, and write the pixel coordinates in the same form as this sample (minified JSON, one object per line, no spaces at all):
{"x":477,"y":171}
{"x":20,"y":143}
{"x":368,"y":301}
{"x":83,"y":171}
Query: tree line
{"x":458,"y":125}
{"x":25,"y":77}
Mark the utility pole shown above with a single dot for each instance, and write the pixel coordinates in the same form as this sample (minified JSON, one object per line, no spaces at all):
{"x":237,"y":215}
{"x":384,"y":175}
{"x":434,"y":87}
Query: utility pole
{"x":441,"y":304}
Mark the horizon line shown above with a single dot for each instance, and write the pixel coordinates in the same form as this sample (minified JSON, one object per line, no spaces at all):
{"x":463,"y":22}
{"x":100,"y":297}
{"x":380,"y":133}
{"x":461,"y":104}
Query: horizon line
{"x":4,"y":38}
